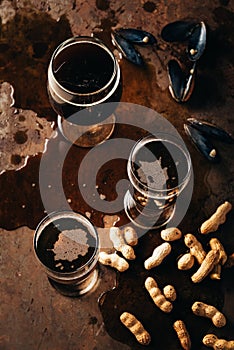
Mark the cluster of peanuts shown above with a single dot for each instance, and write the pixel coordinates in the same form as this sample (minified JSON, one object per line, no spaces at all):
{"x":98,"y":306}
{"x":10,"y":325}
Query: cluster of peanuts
{"x":123,"y":242}
{"x":163,"y":300}
{"x":209,"y":264}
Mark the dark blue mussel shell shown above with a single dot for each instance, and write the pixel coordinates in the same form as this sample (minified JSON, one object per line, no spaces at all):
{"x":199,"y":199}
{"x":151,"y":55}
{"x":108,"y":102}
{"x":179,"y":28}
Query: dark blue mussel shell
{"x":197,"y":42}
{"x":181,"y":85}
{"x":202,"y":143}
{"x":177,"y":31}
{"x":137,"y":36}
{"x":177,"y":79}
{"x":127,"y":49}
{"x":211,"y":130}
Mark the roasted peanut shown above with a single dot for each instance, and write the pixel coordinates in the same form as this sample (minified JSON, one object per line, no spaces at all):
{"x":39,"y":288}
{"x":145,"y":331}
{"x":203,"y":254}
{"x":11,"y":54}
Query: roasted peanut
{"x":218,"y":218}
{"x":215,"y":244}
{"x":214,"y":342}
{"x":116,"y":236}
{"x":195,"y":247}
{"x":185,"y":262}
{"x":157,"y":296}
{"x":136,"y":327}
{"x":182,"y":334}
{"x":206,"y":266}
{"x":201,"y":309}
{"x":169,"y":292}
{"x":113,"y":260}
{"x":158,"y":255}
{"x":171,"y":234}
{"x":130,"y":236}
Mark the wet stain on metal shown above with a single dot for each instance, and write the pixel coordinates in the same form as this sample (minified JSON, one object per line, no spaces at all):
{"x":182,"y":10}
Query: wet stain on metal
{"x":20,"y":137}
{"x":25,"y":198}
{"x":26,"y":45}
{"x":21,"y":118}
{"x":103,"y":5}
{"x":39,"y":49}
{"x":149,"y":6}
{"x":15,"y":159}
{"x":93,"y":320}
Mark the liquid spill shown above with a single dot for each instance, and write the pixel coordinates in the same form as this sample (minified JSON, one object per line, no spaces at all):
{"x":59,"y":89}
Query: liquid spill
{"x":26,"y":45}
{"x":22,"y":132}
{"x":21,"y":202}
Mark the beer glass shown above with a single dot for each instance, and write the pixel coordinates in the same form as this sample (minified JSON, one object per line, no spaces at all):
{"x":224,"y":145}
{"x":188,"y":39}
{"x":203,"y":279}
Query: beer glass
{"x":158,"y":168}
{"x":67,"y":246}
{"x":83,"y":73}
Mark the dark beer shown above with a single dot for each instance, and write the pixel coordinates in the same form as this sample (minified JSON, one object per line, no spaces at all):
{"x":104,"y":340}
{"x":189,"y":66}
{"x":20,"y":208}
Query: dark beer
{"x":84,"y":75}
{"x":158,"y":169}
{"x":48,"y":238}
{"x":66,"y":244}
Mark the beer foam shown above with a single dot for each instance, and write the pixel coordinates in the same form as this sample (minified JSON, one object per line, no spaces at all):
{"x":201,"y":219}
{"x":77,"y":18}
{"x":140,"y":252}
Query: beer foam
{"x":152,"y":174}
{"x":70,"y":244}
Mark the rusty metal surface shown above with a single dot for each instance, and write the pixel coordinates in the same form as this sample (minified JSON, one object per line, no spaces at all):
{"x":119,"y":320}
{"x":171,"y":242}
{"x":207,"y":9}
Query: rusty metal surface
{"x":32,"y":314}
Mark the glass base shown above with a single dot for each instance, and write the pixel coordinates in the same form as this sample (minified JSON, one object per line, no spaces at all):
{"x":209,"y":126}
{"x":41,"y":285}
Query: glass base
{"x":79,"y":289}
{"x":144,"y":218}
{"x":86,"y":135}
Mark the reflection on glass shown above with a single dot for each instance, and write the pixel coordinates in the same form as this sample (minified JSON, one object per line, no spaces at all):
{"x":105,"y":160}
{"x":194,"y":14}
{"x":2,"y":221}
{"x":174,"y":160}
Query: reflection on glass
{"x":66,"y":244}
{"x":158,"y":169}
{"x":83,"y":73}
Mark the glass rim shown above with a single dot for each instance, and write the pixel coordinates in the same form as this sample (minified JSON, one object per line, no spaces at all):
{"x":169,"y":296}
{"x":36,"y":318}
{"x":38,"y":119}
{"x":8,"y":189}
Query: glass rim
{"x":161,"y":138}
{"x":71,"y":214}
{"x":77,"y":40}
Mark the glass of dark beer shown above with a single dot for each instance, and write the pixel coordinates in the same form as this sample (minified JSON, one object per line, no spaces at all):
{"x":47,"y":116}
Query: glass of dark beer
{"x":158,"y":168}
{"x":83,"y":74}
{"x":67,"y":246}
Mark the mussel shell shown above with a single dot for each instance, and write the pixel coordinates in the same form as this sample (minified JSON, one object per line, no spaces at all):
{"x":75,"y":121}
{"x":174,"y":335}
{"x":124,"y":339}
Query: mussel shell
{"x":177,"y":31}
{"x":197,"y":42}
{"x":137,"y":36}
{"x":202,"y":143}
{"x":127,"y":49}
{"x":211,"y":130}
{"x":176,"y":80}
{"x":180,"y":85}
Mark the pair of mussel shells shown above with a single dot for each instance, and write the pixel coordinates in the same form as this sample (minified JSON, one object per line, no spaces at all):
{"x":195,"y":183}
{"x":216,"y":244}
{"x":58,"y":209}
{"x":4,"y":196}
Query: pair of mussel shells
{"x":125,"y":38}
{"x":201,"y":133}
{"x":181,"y":84}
